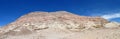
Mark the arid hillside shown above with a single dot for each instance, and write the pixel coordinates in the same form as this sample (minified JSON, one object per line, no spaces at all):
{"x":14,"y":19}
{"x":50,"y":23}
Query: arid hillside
{"x":60,"y":25}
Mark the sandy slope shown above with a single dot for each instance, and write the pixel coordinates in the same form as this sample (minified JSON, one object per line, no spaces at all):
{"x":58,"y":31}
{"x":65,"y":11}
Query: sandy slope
{"x":88,"y":34}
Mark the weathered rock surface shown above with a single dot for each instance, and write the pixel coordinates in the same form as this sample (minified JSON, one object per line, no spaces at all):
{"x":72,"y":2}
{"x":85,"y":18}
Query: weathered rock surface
{"x":112,"y":25}
{"x":58,"y":25}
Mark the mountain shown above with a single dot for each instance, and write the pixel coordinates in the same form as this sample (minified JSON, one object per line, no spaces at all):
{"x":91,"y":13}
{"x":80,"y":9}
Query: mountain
{"x":58,"y":25}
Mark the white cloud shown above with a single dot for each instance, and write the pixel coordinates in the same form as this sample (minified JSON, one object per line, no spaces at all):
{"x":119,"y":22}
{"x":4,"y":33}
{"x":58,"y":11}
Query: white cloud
{"x":111,"y":16}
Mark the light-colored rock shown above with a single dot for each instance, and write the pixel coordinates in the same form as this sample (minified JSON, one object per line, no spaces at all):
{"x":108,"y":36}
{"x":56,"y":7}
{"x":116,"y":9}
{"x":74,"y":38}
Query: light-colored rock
{"x":112,"y":25}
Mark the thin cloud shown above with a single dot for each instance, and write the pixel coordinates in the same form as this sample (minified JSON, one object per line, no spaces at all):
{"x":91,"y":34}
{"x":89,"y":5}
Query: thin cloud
{"x":111,"y":16}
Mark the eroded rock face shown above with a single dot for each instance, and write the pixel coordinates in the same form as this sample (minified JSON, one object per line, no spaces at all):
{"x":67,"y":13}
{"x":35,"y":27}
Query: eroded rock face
{"x":51,"y":25}
{"x":60,"y":19}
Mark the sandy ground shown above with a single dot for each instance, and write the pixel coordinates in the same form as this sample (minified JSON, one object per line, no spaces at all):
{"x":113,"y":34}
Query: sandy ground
{"x":88,"y":34}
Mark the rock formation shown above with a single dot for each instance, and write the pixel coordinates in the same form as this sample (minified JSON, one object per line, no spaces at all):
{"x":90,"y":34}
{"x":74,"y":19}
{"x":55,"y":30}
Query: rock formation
{"x":112,"y":25}
{"x":56,"y":25}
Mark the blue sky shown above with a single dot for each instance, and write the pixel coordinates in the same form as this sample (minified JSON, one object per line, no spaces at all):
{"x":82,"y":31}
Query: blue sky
{"x":10,"y":10}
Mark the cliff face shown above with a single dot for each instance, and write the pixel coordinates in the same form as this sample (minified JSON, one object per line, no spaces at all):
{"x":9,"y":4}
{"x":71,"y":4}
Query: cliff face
{"x":50,"y":25}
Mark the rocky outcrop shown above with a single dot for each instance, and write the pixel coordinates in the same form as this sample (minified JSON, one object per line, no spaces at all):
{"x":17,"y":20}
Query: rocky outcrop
{"x":51,"y":25}
{"x":112,"y":25}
